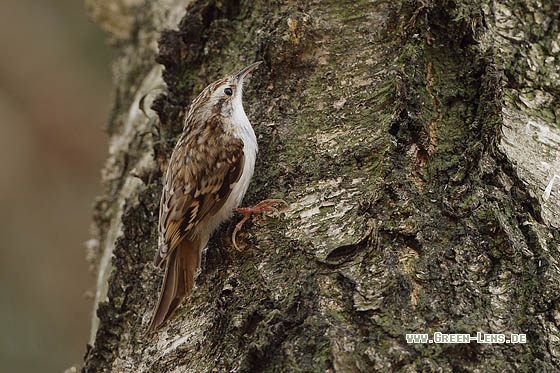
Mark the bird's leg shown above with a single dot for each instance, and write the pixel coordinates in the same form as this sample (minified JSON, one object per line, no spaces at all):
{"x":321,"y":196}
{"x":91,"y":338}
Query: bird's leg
{"x":259,"y":208}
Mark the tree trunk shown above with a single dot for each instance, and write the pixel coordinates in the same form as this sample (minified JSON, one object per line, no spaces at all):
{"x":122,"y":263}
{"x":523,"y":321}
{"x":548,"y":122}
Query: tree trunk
{"x":397,"y":133}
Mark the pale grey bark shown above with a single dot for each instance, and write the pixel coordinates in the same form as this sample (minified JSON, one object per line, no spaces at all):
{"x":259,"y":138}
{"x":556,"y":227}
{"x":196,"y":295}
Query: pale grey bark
{"x":526,"y":39}
{"x":118,"y":20}
{"x":380,"y":124}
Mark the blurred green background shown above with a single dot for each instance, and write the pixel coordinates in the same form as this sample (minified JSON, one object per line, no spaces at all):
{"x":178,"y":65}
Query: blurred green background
{"x":55,"y":97}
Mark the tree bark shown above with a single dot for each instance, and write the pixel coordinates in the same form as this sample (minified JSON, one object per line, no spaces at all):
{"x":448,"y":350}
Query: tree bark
{"x":397,"y":133}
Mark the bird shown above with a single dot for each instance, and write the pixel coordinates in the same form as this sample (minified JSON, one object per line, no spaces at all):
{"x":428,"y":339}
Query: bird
{"x":206,"y":179}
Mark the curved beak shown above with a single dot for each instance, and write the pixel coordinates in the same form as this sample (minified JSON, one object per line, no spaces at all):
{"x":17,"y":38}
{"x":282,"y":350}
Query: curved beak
{"x":243,"y":73}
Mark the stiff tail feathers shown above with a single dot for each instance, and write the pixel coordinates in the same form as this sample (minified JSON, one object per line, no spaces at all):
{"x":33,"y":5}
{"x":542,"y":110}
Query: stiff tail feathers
{"x":178,"y":281}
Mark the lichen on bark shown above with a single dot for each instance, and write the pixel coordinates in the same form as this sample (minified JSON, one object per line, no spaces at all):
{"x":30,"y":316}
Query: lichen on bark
{"x":379,"y":123}
{"x":525,"y":39}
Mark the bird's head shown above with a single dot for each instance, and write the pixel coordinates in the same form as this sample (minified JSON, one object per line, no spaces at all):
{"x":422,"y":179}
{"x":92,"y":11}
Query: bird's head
{"x":224,"y":96}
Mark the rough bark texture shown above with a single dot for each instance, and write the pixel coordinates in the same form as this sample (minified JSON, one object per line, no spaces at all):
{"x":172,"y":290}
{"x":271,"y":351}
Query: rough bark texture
{"x":526,"y":40}
{"x":380,"y":123}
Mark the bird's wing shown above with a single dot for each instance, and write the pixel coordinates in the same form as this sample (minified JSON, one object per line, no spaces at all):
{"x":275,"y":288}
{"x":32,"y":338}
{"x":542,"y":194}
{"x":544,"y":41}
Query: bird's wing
{"x":198,"y":182}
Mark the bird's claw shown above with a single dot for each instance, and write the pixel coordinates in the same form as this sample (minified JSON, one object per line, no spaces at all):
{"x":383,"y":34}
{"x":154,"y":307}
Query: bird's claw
{"x":259,"y":208}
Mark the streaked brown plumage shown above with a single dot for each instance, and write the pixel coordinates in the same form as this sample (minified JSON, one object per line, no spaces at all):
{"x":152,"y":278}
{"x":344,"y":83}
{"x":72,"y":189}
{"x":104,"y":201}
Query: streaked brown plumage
{"x":207,"y":177}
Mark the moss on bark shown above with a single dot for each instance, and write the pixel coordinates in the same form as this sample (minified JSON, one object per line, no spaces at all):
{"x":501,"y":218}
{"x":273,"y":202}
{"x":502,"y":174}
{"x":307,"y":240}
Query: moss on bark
{"x":378,"y":123}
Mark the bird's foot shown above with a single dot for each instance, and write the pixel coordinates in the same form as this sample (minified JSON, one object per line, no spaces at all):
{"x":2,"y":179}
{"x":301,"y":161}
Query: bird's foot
{"x":259,"y":208}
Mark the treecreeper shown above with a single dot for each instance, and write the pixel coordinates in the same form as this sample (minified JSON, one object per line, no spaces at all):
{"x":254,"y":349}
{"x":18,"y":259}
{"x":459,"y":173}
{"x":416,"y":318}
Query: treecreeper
{"x":208,"y":174}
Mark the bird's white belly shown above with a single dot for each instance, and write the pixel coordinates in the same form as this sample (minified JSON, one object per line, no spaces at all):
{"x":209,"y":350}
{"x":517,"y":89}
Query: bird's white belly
{"x":244,"y":132}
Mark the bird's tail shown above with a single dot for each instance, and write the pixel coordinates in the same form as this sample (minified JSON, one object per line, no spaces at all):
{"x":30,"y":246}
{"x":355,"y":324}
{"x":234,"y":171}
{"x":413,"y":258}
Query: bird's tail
{"x":180,"y":272}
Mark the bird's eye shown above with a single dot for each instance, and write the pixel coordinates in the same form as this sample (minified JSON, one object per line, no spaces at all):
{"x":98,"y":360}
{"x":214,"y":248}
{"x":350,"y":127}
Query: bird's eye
{"x":228,"y":91}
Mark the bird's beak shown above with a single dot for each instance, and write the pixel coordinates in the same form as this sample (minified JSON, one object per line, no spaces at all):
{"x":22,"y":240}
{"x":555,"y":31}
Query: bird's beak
{"x":243,"y":73}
